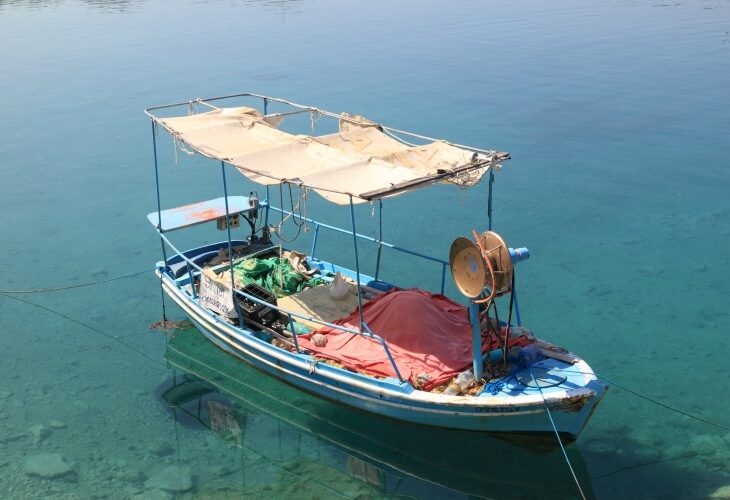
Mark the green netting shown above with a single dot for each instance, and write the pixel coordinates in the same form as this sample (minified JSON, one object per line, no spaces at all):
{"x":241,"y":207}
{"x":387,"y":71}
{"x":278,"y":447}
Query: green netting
{"x":275,"y":274}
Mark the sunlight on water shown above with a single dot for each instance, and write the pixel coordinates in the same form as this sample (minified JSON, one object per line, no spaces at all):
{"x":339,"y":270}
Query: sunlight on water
{"x":616,"y":115}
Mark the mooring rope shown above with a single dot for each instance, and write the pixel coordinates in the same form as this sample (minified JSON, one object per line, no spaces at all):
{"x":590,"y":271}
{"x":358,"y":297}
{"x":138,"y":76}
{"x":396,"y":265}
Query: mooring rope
{"x":557,"y":434}
{"x":85,"y":325}
{"x":689,"y":454}
{"x":658,"y":403}
{"x":69,"y":287}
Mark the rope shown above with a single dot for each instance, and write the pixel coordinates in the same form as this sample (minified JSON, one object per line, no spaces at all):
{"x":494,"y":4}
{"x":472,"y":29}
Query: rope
{"x":658,"y":403}
{"x":494,"y":388}
{"x":93,"y":329}
{"x":681,"y":412}
{"x":162,"y":296}
{"x":291,"y":214}
{"x":557,"y":434}
{"x":643,"y":464}
{"x":69,"y":287}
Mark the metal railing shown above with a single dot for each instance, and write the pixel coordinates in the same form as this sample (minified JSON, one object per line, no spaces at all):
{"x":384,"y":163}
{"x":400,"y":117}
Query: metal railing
{"x":378,"y":242}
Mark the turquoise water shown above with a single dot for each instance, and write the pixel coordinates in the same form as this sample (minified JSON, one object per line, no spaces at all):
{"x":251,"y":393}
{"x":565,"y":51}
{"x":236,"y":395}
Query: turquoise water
{"x":617,"y":117}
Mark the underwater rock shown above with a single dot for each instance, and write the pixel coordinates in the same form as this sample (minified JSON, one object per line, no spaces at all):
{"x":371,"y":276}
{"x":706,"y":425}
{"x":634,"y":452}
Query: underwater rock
{"x":649,"y":270}
{"x":599,"y":291}
{"x":676,"y":451}
{"x":131,"y":476}
{"x":600,"y":447}
{"x":99,"y":272}
{"x":721,"y":492}
{"x":161,"y":448}
{"x":174,"y":478}
{"x":153,"y":495}
{"x":48,"y":466}
{"x":55,"y":424}
{"x":704,"y":445}
{"x":647,"y":454}
{"x":221,"y":470}
{"x":11,"y":436}
{"x":39,"y":432}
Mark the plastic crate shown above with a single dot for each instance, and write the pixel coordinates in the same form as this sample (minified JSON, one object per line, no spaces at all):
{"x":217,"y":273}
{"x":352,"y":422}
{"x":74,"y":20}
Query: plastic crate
{"x":257,"y":312}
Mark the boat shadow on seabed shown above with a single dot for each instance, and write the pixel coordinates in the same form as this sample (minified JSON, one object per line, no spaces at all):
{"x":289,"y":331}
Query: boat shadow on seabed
{"x":377,"y":456}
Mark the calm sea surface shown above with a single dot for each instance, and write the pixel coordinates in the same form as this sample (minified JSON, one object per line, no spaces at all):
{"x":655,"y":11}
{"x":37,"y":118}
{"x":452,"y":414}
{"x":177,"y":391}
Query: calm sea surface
{"x":617,"y":115}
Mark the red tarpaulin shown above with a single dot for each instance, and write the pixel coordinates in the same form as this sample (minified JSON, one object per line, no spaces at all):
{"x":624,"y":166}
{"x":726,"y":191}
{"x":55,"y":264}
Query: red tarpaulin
{"x":428,"y":335}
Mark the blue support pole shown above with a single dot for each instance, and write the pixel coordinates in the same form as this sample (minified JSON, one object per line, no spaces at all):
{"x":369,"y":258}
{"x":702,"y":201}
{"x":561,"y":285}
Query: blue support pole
{"x":516,"y":306}
{"x":293,"y":332}
{"x":314,"y":240}
{"x":489,"y":202}
{"x":380,"y":237}
{"x":266,"y":211}
{"x":230,"y":247}
{"x":476,"y":340}
{"x":357,"y":262}
{"x":387,"y":351}
{"x":191,"y":277}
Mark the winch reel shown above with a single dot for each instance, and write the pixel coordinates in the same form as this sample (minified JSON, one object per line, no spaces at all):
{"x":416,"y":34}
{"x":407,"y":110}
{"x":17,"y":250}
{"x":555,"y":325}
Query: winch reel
{"x":482,"y":269}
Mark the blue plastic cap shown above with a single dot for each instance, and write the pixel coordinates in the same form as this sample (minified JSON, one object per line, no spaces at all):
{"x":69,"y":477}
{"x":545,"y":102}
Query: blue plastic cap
{"x":519,"y":254}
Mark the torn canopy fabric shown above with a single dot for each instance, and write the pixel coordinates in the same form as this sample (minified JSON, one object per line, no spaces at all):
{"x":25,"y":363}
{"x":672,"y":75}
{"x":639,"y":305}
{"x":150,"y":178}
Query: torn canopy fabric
{"x":360,"y":160}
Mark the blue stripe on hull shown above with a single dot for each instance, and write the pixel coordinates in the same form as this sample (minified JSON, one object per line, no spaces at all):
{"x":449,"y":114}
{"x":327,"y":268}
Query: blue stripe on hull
{"x":525,"y":419}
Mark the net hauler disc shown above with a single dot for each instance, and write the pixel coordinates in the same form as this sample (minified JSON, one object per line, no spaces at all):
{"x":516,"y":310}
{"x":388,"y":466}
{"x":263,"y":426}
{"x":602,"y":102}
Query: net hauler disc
{"x":467,"y":267}
{"x":496,"y":250}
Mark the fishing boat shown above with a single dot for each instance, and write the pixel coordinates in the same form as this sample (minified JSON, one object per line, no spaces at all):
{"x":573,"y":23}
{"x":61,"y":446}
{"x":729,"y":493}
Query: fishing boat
{"x":339,"y":332}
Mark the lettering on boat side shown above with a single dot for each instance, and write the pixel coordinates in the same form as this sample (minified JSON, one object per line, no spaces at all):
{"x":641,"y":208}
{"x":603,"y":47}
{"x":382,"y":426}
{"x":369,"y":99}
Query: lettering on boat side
{"x":216,"y":296}
{"x":496,"y":409}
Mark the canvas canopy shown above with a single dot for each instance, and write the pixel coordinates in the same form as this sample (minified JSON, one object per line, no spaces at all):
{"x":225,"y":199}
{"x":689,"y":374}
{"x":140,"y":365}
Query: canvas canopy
{"x":361,"y":161}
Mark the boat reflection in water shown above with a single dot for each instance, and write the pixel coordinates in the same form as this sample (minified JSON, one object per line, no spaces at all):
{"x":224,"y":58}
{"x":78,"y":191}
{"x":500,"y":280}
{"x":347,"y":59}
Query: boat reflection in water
{"x":348,"y":452}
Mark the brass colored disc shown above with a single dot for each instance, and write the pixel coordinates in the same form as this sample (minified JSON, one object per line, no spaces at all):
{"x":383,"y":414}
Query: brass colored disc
{"x":498,"y":254}
{"x":467,"y":267}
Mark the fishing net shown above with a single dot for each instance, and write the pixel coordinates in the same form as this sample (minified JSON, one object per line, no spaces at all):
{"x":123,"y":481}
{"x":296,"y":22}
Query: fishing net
{"x":276,"y":274}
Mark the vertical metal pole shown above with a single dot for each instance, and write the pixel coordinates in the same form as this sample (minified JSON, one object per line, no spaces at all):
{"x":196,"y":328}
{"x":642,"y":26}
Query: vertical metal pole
{"x":380,"y":237}
{"x":268,"y":203}
{"x":266,"y":106}
{"x":517,"y":306}
{"x":314,"y":240}
{"x":230,"y":247}
{"x":476,"y":340}
{"x":357,"y":262}
{"x":489,"y":202}
{"x":191,"y":277}
{"x":293,"y":332}
{"x":157,"y":185}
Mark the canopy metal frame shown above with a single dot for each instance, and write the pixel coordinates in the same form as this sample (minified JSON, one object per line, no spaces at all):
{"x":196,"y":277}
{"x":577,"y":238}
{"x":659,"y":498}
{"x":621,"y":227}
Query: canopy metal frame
{"x":363,"y":329}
